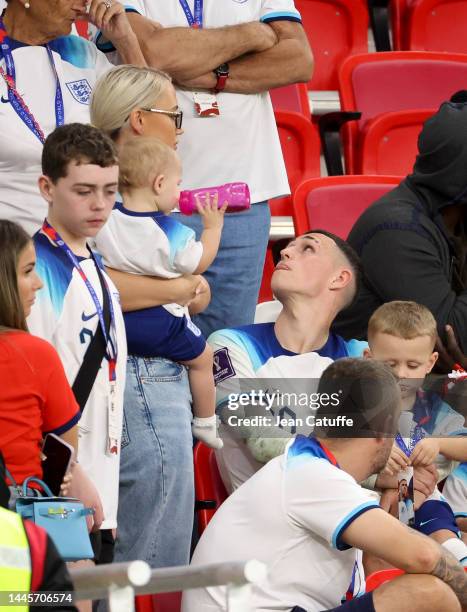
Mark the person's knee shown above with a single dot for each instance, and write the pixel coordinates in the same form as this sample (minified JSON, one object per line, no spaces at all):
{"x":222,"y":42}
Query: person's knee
{"x":416,"y":593}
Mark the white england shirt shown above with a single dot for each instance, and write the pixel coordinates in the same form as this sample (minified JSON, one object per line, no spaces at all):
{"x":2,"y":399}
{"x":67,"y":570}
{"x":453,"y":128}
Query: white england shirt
{"x":243,"y":143}
{"x":251,"y":358}
{"x":455,"y":490}
{"x":79,"y":64}
{"x":66,"y":316}
{"x":149,"y":243}
{"x":291,"y":516}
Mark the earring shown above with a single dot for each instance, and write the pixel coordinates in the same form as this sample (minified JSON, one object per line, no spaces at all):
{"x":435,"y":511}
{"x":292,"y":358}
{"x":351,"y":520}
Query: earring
{"x":26,"y":5}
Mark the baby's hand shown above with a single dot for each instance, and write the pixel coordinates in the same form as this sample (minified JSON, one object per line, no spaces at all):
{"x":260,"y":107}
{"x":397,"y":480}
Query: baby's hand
{"x":212,"y":216}
{"x":397,"y":461}
{"x":425,"y":452}
{"x":205,"y":429}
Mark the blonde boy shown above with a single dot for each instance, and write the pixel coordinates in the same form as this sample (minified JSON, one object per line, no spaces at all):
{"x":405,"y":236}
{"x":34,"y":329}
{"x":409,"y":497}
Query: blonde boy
{"x":141,"y":238}
{"x":403,"y":335}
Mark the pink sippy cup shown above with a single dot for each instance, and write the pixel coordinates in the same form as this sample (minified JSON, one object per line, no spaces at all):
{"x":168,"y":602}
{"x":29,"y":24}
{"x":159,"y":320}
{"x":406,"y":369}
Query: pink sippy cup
{"x":237,"y":195}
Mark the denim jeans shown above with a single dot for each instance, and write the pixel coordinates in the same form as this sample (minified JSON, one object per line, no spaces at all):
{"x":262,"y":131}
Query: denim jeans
{"x":156,"y":496}
{"x":235,"y":275}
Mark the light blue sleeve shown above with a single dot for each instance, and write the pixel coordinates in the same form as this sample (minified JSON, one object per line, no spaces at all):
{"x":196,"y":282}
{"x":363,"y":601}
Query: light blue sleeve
{"x":355,"y":348}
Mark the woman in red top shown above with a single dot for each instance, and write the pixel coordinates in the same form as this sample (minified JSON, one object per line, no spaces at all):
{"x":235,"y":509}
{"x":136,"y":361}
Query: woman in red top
{"x":35,"y":397}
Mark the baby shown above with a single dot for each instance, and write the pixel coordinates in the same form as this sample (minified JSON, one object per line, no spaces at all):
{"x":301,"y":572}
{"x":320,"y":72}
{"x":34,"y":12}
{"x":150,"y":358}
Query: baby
{"x":141,"y":238}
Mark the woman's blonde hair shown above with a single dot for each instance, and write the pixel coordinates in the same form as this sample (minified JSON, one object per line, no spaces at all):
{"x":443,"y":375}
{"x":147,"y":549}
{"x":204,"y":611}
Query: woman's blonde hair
{"x":121,"y":90}
{"x":13,"y":239}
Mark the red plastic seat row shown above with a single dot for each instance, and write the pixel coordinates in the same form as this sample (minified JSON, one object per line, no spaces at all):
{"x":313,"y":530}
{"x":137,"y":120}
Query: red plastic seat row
{"x":377,"y":83}
{"x":334,"y":203}
{"x":431,"y":25}
{"x":335,"y":29}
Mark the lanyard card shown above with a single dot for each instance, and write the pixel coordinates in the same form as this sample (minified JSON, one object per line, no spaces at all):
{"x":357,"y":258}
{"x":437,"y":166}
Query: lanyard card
{"x":114,"y":423}
{"x":205,"y":104}
{"x":406,"y":500}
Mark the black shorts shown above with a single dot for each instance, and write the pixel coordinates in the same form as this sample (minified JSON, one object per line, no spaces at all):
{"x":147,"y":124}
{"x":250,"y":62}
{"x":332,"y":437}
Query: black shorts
{"x":359,"y":604}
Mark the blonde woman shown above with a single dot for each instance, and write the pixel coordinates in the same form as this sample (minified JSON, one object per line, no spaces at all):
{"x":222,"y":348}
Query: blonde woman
{"x":156,"y":496}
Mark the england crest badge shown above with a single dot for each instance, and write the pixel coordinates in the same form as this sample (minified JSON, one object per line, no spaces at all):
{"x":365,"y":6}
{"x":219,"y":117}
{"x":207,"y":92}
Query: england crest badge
{"x":80,"y":90}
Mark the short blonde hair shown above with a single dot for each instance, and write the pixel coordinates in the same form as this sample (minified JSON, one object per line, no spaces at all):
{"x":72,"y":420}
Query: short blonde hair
{"x":121,"y":90}
{"x":141,"y":160}
{"x":406,"y":320}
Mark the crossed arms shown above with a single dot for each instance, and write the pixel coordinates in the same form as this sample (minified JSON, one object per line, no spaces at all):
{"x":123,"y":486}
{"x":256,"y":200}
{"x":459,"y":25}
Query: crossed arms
{"x":261,"y":56}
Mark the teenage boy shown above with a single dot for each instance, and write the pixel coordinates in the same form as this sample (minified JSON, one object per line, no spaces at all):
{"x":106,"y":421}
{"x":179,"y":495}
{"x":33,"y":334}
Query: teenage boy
{"x":403,"y":335}
{"x":78,"y":306}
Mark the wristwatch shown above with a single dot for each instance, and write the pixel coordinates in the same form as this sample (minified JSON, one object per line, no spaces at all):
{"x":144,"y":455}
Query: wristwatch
{"x":222,"y":73}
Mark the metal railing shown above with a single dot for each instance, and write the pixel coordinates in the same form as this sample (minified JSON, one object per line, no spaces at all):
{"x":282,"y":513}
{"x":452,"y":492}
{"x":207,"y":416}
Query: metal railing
{"x":120,"y":582}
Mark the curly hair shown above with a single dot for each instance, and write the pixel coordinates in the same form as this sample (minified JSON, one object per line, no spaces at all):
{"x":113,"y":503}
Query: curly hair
{"x":78,"y":142}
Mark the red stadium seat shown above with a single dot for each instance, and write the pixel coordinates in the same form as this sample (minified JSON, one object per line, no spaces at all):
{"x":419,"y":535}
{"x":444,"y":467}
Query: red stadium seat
{"x":399,"y":15}
{"x":389,"y":142}
{"x":209,"y":488}
{"x":334,"y":203}
{"x":293,"y":98}
{"x":437,"y":25}
{"x":301,"y":150}
{"x":265,"y":293}
{"x":376,"y":83}
{"x":162,"y":602}
{"x":335,"y":29}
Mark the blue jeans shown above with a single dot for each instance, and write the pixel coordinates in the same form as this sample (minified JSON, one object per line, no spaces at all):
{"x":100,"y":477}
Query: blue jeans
{"x":235,"y":275}
{"x":156,"y":497}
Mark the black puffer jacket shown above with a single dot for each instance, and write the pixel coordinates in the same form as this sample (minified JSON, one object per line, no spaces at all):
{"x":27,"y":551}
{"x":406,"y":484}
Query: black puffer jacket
{"x":406,"y":251}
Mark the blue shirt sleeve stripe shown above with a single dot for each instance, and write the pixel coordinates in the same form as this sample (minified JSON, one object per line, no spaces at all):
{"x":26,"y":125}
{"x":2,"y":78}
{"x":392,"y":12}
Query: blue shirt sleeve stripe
{"x":282,"y":16}
{"x":107,"y":46}
{"x":67,"y":426}
{"x":336,"y":543}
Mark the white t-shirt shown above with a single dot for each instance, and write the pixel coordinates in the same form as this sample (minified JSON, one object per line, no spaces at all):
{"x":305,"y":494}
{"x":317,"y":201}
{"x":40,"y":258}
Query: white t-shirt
{"x":66,"y":316}
{"x":149,"y":243}
{"x":79,"y":64}
{"x":431,"y":416}
{"x":242,"y":144}
{"x":290,"y":515}
{"x":455,"y":490}
{"x":251,"y":358}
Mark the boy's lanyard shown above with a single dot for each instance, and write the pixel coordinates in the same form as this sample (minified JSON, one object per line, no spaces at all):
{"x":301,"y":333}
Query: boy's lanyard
{"x":16,"y":99}
{"x":416,"y":434}
{"x":195,"y":19}
{"x":111,"y":346}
